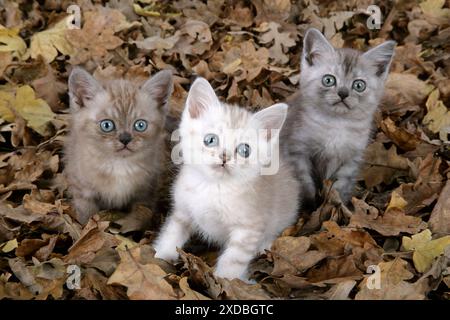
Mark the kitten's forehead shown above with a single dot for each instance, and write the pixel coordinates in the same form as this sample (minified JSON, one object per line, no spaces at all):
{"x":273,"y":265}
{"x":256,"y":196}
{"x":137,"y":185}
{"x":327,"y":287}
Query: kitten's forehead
{"x":348,"y":60}
{"x":123,"y":96}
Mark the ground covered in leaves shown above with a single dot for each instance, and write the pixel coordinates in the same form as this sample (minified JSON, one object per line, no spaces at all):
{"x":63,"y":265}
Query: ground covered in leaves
{"x":250,"y":51}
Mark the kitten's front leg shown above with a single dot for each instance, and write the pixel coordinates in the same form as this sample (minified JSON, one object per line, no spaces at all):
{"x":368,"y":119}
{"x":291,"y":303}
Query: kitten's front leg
{"x":85,"y":207}
{"x":345,"y":180}
{"x":240,"y":250}
{"x":174,"y":234}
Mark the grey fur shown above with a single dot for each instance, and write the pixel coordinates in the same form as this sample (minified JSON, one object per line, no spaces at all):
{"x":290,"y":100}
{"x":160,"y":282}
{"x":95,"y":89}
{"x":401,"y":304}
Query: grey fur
{"x":324,"y":138}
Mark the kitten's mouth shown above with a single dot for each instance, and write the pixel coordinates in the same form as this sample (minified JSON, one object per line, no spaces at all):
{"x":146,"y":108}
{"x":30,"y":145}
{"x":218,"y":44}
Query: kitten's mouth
{"x":343,"y":102}
{"x":124,"y":150}
{"x":220,"y":167}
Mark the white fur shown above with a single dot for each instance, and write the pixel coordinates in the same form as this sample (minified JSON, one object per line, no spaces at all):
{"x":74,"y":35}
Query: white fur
{"x":237,"y":208}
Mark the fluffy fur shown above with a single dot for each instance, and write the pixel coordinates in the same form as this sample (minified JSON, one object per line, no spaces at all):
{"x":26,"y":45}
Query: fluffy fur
{"x":102,"y":171}
{"x":228,"y":202}
{"x":325,"y":135}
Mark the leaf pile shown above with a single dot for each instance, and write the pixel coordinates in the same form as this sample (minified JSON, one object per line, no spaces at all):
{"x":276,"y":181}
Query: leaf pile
{"x":250,"y":51}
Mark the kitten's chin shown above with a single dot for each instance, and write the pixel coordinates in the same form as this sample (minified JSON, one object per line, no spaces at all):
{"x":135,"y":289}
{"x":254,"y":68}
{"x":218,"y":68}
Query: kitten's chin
{"x":219,"y":171}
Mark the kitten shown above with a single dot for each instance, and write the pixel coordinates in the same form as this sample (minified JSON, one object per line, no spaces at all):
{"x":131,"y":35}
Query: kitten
{"x":329,"y":122}
{"x":223,"y":196}
{"x":115,"y":148}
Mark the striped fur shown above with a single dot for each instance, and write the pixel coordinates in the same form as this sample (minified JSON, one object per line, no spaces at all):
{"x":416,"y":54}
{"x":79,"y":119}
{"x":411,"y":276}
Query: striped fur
{"x":324,"y":138}
{"x":100,"y":175}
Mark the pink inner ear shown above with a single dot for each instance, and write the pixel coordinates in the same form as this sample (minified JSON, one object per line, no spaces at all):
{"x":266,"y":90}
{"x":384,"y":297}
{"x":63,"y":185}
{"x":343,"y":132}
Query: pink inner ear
{"x":195,"y":109}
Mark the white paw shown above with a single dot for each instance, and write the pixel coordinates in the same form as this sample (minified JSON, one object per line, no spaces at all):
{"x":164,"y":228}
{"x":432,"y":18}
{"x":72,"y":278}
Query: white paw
{"x":230,"y":272}
{"x":167,"y":254}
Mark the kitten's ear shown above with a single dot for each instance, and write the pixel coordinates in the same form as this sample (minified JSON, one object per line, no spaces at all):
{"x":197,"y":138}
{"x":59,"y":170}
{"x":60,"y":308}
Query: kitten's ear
{"x":271,"y":118}
{"x":201,"y":97}
{"x":159,"y":87}
{"x":82,"y":87}
{"x":381,"y":57}
{"x":315,"y":45}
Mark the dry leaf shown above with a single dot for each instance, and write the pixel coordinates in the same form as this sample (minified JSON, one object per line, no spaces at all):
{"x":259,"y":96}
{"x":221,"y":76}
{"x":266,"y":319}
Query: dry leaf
{"x":393,"y":222}
{"x":51,"y":41}
{"x":425,"y":249}
{"x":392,"y":284}
{"x":144,"y":281}
{"x":22,"y":101}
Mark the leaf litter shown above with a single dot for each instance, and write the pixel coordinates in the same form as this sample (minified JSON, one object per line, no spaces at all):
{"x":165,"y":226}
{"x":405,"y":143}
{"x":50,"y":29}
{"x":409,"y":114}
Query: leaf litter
{"x":250,"y":51}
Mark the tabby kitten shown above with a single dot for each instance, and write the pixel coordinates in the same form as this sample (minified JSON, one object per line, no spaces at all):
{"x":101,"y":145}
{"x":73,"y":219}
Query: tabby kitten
{"x":115,"y":148}
{"x":220,"y":191}
{"x":330,"y":120}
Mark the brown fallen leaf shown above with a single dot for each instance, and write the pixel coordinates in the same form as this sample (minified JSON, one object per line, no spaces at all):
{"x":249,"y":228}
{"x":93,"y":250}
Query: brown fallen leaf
{"x":143,"y":281}
{"x":280,"y":41}
{"x":190,"y":294}
{"x":291,"y":255}
{"x":94,"y":287}
{"x":383,"y":165}
{"x":334,"y":270}
{"x":440,"y":216}
{"x":93,"y":239}
{"x":392,"y":284}
{"x":401,"y":137}
{"x":391,"y":223}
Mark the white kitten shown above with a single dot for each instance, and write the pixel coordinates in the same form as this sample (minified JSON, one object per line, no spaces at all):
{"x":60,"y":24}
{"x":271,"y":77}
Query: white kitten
{"x":224,"y":197}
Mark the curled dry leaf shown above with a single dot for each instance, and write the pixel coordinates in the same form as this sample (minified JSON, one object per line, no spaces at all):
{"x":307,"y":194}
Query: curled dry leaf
{"x":391,"y":223}
{"x":143,"y":281}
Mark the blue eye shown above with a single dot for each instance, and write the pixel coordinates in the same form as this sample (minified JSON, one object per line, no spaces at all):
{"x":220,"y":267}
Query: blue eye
{"x":107,"y":125}
{"x":328,"y":80}
{"x":244,"y":150}
{"x":211,"y":140}
{"x":359,"y":85}
{"x":140,"y":125}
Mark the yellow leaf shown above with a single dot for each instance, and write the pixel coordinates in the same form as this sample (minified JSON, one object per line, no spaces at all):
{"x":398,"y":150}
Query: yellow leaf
{"x":36,"y":112}
{"x":125,"y":243}
{"x":434,"y":9}
{"x":11,"y":42}
{"x":396,"y":201}
{"x":438,"y":117}
{"x":9,"y":245}
{"x":425,"y":249}
{"x":47,"y":43}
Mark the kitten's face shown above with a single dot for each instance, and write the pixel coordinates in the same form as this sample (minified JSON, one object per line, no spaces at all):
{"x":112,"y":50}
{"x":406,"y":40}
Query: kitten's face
{"x":224,"y":141}
{"x":119,"y":118}
{"x":343,"y":81}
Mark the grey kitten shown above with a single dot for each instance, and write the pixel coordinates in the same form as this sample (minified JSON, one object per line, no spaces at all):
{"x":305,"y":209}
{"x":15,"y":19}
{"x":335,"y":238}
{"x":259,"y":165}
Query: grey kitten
{"x":115,"y":150}
{"x":330,"y":120}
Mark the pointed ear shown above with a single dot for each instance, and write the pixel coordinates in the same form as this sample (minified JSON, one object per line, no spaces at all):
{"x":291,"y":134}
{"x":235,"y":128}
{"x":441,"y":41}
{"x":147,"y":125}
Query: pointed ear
{"x":315,"y":46}
{"x":159,"y":87}
{"x":271,"y":118}
{"x":201,"y":97}
{"x":82,"y":87}
{"x":381,"y":57}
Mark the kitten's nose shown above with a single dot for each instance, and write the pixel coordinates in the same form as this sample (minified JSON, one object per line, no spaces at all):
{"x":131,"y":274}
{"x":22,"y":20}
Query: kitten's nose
{"x":343,"y":93}
{"x":125,"y":138}
{"x":224,"y":156}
